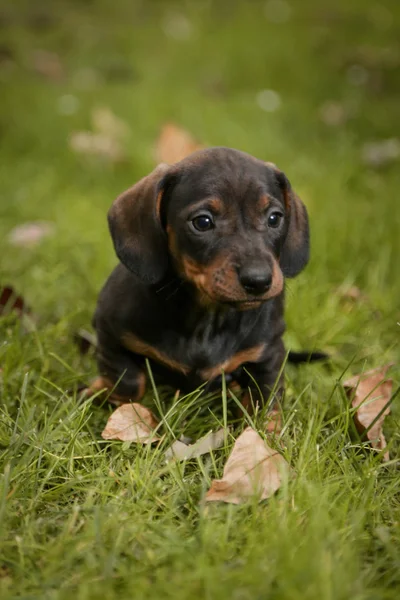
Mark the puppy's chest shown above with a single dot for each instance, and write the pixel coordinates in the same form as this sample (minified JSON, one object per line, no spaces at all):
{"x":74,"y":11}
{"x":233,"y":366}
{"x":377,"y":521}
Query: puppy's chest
{"x":211,"y":345}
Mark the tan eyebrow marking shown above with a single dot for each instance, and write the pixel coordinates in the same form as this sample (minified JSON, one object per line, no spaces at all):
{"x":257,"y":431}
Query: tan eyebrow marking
{"x":264,"y":201}
{"x":213,"y":203}
{"x":216,"y":204}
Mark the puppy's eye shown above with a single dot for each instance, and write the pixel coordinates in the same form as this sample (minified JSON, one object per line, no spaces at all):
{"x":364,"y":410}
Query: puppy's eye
{"x":274,"y":219}
{"x":203,"y":223}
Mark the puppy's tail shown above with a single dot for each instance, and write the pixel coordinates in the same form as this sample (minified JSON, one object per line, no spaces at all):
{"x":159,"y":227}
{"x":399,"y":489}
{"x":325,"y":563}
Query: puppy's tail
{"x":306,"y":357}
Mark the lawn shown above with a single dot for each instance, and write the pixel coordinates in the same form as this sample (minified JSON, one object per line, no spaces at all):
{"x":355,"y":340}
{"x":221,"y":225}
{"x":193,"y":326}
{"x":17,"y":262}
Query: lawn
{"x":313,"y":87}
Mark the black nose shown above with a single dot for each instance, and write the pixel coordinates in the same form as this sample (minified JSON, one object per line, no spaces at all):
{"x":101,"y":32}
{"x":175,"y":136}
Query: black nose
{"x":255,"y":279}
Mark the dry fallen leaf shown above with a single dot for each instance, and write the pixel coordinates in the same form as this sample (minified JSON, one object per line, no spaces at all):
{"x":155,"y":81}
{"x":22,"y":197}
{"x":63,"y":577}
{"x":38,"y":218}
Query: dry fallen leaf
{"x":209,"y":442}
{"x":30,"y":234}
{"x":370,"y":392}
{"x":131,"y":423}
{"x":253,"y":468}
{"x":174,"y":144}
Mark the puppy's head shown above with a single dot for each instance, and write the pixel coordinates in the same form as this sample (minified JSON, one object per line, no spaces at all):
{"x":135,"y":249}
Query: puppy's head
{"x":224,"y":221}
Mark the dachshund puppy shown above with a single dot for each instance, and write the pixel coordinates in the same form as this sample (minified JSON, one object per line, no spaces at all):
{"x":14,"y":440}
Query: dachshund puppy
{"x":204,"y":247}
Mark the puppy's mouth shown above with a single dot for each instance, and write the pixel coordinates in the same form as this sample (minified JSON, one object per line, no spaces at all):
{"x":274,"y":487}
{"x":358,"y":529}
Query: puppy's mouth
{"x":244,"y":304}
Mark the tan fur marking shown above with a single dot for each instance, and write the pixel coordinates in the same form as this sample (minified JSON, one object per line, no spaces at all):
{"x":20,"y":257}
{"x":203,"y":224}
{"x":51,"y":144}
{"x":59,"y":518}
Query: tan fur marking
{"x":216,"y":204}
{"x":193,"y":271}
{"x":277,"y":281}
{"x":231,"y":364}
{"x":134,"y":344}
{"x":299,"y":221}
{"x":172,"y":246}
{"x":264,"y":202}
{"x":202,"y":277}
{"x":141,"y":386}
{"x":98,"y":384}
{"x":158,"y":204}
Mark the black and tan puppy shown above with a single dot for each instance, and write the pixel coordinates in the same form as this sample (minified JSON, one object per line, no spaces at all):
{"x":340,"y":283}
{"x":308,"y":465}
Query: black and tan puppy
{"x":205,"y":246}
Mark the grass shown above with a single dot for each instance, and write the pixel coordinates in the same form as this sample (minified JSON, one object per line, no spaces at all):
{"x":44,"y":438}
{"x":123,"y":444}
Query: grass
{"x":84,"y":518}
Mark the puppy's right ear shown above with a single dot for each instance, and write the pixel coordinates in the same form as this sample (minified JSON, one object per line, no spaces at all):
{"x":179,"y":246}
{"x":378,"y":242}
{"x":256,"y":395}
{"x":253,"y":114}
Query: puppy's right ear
{"x":135,"y":225}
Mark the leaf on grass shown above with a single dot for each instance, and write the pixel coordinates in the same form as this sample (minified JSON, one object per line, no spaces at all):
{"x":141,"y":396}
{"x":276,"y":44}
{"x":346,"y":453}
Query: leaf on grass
{"x":252,"y":469}
{"x":11,"y":301}
{"x":174,"y":144}
{"x":131,"y":423}
{"x":370,"y":392}
{"x":30,"y":234}
{"x":181,"y":451}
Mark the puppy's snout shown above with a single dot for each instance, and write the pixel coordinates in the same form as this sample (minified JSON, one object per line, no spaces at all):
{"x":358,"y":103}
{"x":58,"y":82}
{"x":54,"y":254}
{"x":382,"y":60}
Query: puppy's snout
{"x":256,"y":279}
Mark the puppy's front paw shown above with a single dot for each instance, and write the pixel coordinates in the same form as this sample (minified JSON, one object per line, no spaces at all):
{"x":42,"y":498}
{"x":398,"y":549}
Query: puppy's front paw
{"x":102,"y":390}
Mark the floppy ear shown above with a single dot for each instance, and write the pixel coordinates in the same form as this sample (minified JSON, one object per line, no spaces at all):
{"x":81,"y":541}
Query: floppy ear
{"x":135,"y":227}
{"x":295,"y":251}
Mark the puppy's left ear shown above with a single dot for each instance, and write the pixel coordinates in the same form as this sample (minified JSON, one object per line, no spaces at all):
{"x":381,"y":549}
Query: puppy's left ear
{"x":136,"y":229}
{"x":295,"y":251}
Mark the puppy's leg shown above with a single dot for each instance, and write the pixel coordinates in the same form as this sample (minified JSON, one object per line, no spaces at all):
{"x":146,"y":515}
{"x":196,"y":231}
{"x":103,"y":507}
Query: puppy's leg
{"x":263,"y":382}
{"x":120,"y":374}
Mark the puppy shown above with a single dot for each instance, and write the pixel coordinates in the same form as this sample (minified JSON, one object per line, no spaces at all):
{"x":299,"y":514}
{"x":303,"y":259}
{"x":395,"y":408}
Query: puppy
{"x":204,"y":247}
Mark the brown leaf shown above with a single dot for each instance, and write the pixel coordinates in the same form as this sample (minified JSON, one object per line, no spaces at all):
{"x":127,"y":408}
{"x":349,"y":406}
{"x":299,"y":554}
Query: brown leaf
{"x":370,"y":392}
{"x":253,"y":468}
{"x":30,"y":234}
{"x":209,"y":442}
{"x":11,"y":301}
{"x":131,"y":423}
{"x":174,"y":144}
